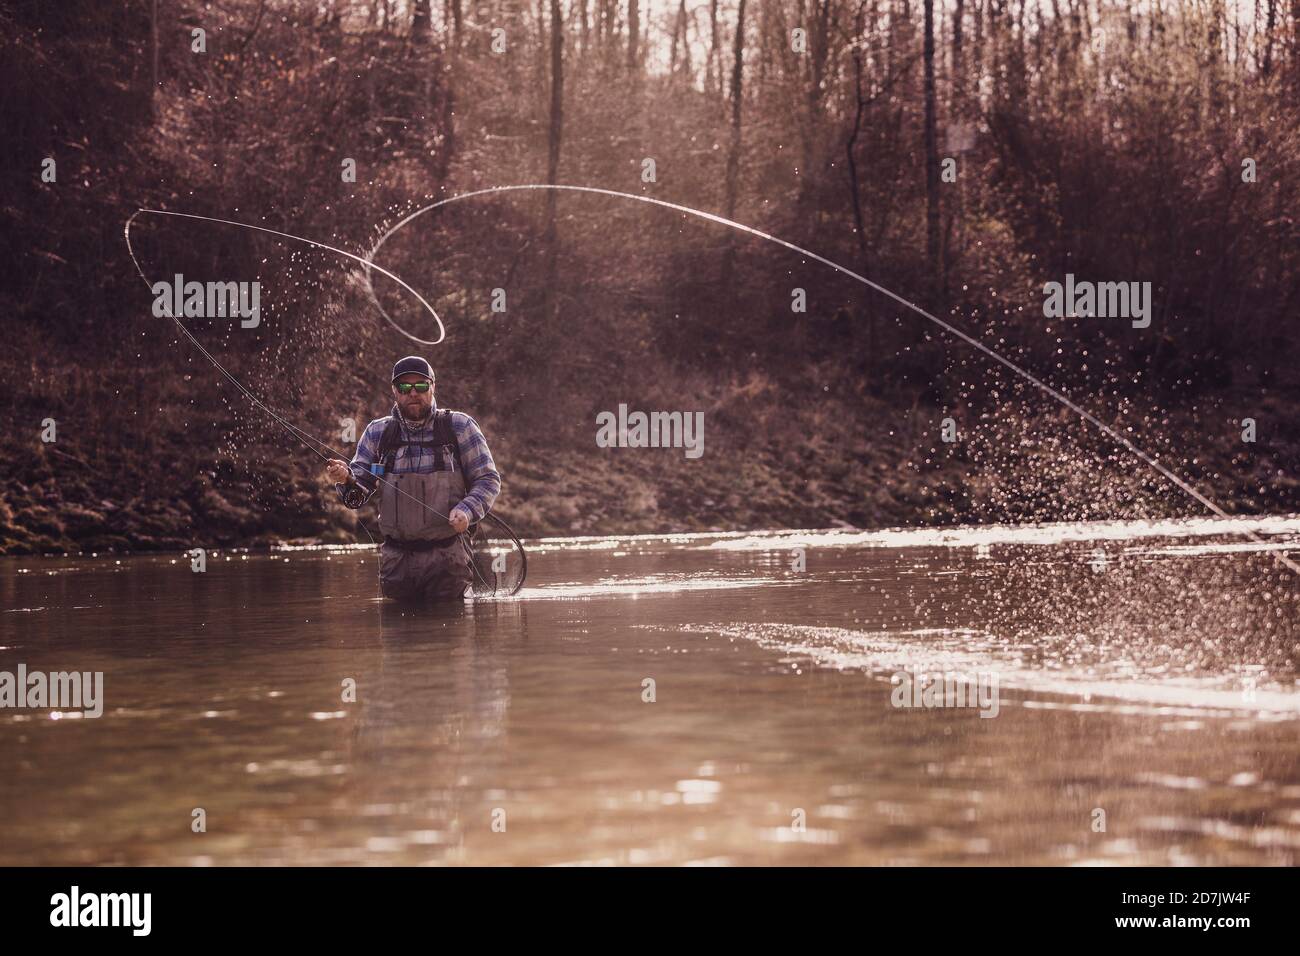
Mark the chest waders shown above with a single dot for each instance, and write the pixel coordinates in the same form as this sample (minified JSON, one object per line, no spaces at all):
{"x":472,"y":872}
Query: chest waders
{"x":422,"y":557}
{"x":413,"y":505}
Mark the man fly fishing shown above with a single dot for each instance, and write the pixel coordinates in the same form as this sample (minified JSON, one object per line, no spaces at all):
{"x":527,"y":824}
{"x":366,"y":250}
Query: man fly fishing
{"x":437,"y":478}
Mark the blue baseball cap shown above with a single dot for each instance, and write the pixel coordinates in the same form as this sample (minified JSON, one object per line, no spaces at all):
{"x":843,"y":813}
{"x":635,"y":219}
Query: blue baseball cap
{"x":412,"y":365}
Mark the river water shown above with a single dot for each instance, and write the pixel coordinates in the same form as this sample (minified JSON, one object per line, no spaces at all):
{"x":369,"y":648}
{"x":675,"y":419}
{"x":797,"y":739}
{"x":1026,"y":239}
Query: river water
{"x":712,"y":699}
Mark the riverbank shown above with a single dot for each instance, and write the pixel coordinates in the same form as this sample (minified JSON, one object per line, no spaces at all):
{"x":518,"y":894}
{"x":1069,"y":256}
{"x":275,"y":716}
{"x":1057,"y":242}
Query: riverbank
{"x":863,"y":463}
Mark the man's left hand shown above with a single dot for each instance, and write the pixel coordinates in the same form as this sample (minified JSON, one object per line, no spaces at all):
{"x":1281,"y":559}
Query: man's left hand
{"x":459,"y":519}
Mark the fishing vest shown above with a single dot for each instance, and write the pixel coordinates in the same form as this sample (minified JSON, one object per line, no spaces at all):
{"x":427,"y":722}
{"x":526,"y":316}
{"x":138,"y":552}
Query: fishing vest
{"x":412,"y":506}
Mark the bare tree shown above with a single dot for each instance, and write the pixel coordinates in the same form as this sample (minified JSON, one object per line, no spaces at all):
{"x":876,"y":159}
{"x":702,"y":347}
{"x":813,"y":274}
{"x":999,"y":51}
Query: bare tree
{"x":421,"y":22}
{"x":931,"y":154}
{"x":455,"y":17}
{"x":633,"y":33}
{"x":715,"y":55}
{"x":819,"y":51}
{"x":153,"y":57}
{"x":956,"y":87}
{"x":551,"y":240}
{"x":679,"y":36}
{"x":733,"y":154}
{"x":1295,"y":42}
{"x":855,"y":192}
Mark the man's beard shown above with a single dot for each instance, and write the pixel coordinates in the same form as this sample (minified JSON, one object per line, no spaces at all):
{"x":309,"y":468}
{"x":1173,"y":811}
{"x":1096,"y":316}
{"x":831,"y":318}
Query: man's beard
{"x":416,"y":416}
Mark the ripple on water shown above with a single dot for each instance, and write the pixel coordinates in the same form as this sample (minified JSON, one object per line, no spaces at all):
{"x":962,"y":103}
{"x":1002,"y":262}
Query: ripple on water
{"x":960,"y":650}
{"x":651,"y":584}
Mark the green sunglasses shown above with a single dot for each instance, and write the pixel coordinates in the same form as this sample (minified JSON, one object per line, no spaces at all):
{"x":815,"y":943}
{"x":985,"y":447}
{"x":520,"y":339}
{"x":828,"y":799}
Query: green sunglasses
{"x":405,"y":387}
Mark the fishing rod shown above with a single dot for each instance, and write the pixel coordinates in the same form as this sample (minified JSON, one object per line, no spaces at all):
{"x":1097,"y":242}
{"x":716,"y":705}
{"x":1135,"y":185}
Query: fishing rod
{"x":368,"y":264}
{"x":307,"y":438}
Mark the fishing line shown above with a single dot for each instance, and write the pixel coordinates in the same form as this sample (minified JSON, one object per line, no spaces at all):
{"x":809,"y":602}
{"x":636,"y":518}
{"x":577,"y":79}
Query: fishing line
{"x":368,"y":264}
{"x":305,"y":437}
{"x":844,"y":270}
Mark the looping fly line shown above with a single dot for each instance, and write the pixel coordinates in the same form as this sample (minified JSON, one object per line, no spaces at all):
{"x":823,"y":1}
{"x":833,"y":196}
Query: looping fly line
{"x":367,"y":263}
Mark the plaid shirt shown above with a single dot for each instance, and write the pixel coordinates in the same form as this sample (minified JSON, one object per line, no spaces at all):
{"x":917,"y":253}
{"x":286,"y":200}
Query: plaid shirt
{"x":482,"y":481}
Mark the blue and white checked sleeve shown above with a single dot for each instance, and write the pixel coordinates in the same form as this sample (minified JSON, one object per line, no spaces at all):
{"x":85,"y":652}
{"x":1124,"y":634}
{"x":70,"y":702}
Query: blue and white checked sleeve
{"x":481,"y":476}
